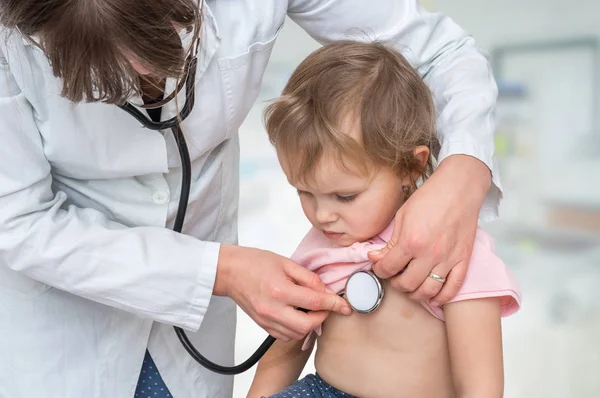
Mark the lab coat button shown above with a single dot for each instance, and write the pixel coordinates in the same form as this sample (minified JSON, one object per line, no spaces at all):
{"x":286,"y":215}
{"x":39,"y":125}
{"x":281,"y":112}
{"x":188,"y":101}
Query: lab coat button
{"x":160,"y":197}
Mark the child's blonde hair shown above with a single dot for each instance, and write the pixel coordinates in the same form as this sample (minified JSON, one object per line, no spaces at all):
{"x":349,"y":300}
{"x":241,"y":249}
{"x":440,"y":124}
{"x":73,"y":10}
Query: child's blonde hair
{"x":366,"y":87}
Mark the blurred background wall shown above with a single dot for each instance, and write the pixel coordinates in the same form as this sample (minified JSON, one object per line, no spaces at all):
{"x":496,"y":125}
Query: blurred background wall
{"x":546,"y":57}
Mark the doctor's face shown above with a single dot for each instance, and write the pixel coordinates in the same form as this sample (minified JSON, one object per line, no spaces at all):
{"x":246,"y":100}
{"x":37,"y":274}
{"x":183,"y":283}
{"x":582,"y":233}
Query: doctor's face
{"x":143,"y":70}
{"x":349,"y":206}
{"x":138,"y":67}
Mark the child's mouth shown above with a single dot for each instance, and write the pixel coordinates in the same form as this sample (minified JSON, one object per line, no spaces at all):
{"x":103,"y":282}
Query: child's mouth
{"x":333,"y":235}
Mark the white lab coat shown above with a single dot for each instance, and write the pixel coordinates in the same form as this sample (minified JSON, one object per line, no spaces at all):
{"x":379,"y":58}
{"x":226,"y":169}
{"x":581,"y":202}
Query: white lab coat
{"x":89,"y":275}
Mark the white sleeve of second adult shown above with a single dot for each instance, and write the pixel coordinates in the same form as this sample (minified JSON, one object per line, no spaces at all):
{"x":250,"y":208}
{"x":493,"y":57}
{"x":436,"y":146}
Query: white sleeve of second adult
{"x":150,"y":271}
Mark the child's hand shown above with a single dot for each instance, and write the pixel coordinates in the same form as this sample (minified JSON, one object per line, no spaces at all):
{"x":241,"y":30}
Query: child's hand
{"x":435,"y":230}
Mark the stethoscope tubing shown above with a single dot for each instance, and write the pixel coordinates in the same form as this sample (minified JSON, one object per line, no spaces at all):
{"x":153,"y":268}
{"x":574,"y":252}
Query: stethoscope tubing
{"x":186,"y":167}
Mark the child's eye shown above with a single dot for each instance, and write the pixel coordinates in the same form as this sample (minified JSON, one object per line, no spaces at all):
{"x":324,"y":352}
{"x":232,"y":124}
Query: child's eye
{"x":300,"y":193}
{"x":346,"y":198}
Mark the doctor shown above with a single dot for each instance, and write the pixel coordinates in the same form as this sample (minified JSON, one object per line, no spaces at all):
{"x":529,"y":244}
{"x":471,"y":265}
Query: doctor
{"x":91,"y":276}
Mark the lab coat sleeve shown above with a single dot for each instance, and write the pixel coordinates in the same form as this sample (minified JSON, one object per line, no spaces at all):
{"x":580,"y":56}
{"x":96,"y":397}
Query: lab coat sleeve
{"x":149,"y":271}
{"x":459,"y":76}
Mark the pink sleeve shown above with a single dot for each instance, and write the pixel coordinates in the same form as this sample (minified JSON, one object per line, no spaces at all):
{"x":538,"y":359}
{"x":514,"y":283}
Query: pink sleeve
{"x":487,"y":276}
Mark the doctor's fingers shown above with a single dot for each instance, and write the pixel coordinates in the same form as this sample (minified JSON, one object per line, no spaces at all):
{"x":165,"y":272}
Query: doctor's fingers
{"x":308,"y":299}
{"x":282,"y":333}
{"x":433,"y":283}
{"x":277,"y":324}
{"x":453,"y":283}
{"x":304,"y":277}
{"x":413,"y":275}
{"x":311,"y":293}
{"x":393,"y":262}
{"x":295,"y":324}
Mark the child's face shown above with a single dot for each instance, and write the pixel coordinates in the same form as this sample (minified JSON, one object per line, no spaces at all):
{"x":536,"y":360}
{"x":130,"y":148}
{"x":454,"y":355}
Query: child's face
{"x":348,"y":207}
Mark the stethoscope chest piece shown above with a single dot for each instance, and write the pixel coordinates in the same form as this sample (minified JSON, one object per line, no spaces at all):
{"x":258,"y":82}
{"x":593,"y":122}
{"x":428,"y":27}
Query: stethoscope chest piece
{"x":364,"y":292}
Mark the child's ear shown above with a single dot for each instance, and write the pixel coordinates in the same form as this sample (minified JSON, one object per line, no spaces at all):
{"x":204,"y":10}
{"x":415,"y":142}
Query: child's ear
{"x":421,"y":154}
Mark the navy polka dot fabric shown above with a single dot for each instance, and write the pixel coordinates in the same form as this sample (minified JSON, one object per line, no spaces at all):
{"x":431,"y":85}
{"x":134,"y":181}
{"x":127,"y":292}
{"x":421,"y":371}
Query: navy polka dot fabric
{"x":150,"y":384}
{"x":311,"y":386}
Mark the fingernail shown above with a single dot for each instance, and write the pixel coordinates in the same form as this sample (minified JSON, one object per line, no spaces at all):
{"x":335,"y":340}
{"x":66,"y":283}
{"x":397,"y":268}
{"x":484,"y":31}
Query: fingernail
{"x":375,"y":252}
{"x":346,"y":311}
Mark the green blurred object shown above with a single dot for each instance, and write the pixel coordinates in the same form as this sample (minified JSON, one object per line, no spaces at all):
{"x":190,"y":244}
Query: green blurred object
{"x":528,"y":245}
{"x":502,"y":144}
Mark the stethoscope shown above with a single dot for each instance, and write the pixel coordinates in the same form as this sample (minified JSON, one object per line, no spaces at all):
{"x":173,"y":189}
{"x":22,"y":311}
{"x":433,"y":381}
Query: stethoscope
{"x":363,"y":290}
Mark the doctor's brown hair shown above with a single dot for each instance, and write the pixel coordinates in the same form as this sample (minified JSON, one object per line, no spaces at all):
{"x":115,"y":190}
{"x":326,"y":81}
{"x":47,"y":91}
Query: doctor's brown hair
{"x":89,"y":42}
{"x":351,"y":87}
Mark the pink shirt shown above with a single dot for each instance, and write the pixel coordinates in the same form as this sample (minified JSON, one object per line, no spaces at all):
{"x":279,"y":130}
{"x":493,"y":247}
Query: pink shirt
{"x":487,"y":275}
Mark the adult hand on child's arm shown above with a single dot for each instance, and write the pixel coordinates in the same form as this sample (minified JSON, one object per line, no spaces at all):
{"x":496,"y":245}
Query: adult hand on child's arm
{"x":434,"y":231}
{"x":269,"y":288}
{"x":474,"y":335}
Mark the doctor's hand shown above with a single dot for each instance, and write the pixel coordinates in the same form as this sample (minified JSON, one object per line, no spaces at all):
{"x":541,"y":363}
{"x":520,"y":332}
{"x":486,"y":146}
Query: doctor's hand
{"x":269,"y":288}
{"x":434,"y":232}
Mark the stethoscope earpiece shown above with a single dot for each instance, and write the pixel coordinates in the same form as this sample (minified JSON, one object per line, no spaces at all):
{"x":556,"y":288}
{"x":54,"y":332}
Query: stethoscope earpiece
{"x":364,"y":292}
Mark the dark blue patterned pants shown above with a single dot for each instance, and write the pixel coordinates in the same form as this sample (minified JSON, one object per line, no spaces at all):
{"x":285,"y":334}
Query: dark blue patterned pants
{"x":150,"y":384}
{"x":311,"y":386}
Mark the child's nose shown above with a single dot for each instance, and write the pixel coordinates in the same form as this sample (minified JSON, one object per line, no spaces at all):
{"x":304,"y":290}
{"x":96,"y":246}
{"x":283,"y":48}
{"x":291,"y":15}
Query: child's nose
{"x":325,"y":215}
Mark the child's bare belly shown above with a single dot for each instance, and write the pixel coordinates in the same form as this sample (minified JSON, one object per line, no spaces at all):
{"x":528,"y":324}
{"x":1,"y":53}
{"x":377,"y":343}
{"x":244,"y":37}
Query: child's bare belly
{"x":398,"y":351}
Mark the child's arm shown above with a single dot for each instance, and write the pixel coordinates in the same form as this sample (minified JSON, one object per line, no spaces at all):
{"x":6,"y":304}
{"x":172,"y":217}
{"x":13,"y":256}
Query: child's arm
{"x":279,"y":368}
{"x":475,"y":345}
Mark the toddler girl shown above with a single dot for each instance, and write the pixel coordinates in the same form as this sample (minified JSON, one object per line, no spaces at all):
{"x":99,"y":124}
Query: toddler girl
{"x":354,"y":132}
